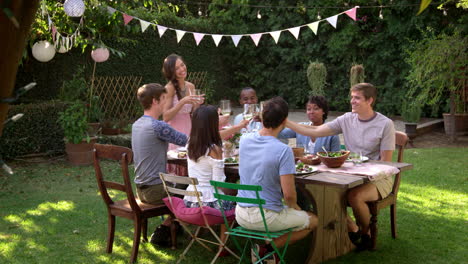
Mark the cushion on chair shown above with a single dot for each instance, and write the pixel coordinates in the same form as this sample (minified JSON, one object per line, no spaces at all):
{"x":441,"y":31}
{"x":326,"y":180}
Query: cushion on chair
{"x":194,"y":215}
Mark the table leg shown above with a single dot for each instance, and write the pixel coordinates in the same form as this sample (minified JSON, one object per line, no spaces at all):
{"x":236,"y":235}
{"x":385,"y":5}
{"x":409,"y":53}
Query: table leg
{"x":331,"y":236}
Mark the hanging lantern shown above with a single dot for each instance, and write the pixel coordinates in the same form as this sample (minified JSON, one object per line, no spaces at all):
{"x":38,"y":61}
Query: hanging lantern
{"x":100,"y":54}
{"x":74,"y":8}
{"x":43,"y":51}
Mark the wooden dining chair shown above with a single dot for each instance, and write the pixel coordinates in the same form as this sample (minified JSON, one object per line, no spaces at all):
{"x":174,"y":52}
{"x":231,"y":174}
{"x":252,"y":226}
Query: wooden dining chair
{"x":391,"y":200}
{"x":131,"y":208}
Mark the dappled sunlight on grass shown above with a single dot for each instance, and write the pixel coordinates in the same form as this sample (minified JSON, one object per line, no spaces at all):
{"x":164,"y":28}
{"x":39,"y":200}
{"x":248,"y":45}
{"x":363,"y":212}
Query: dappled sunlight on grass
{"x":27,"y":225}
{"x":46,"y":207}
{"x":95,"y":246}
{"x":434,"y":201}
{"x":8,"y":244}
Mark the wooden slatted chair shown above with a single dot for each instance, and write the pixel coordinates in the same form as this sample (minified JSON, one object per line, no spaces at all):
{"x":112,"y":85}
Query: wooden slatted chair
{"x":131,"y":208}
{"x":391,"y":200}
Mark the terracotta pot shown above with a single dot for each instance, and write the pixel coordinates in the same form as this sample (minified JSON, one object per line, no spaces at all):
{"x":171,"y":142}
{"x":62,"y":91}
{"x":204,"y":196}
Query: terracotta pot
{"x":110,"y":131}
{"x":81,"y":153}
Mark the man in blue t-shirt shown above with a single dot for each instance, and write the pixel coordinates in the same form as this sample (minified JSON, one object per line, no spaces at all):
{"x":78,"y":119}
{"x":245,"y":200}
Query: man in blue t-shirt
{"x":268,"y":162}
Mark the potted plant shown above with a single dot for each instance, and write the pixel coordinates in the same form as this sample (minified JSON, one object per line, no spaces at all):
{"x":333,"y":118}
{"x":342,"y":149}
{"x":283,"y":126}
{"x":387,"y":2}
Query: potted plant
{"x":411,"y":113}
{"x":78,"y":144}
{"x":438,"y":70}
{"x":317,"y":77}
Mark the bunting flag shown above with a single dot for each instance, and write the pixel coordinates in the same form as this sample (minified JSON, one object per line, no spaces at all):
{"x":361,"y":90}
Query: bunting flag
{"x":111,"y":10}
{"x":256,"y":38}
{"x":54,"y":32}
{"x":332,"y":20}
{"x":216,"y":39}
{"x":161,"y":30}
{"x":198,"y":37}
{"x":180,"y":34}
{"x":126,"y":18}
{"x":351,"y":13}
{"x":49,"y":21}
{"x":275,"y":35}
{"x":236,"y":39}
{"x":295,"y":31}
{"x":314,"y":26}
{"x":144,"y":25}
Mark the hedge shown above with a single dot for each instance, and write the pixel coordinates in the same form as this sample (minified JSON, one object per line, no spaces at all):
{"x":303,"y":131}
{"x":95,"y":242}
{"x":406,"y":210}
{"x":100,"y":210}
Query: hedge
{"x":36,"y":132}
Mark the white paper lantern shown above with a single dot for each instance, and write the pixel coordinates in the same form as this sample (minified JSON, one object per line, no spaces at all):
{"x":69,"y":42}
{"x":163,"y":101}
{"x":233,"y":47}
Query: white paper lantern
{"x":74,"y":8}
{"x":43,"y":51}
{"x":100,"y":54}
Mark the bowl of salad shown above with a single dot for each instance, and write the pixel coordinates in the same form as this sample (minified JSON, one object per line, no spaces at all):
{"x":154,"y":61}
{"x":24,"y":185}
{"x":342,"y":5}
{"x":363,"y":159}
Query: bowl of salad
{"x":333,"y":159}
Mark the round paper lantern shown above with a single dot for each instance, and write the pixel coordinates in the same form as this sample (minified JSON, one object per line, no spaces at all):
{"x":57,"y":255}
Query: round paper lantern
{"x":74,"y":8}
{"x":100,"y":54}
{"x":43,"y":51}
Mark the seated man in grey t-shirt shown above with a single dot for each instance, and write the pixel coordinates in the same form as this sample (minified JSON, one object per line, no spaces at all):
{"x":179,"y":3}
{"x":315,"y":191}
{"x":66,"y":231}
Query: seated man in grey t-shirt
{"x":370,"y":133}
{"x":150,"y":138}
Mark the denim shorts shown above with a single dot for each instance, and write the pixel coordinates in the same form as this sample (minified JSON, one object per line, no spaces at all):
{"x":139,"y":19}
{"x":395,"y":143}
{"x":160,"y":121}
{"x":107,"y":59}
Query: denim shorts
{"x":250,"y":218}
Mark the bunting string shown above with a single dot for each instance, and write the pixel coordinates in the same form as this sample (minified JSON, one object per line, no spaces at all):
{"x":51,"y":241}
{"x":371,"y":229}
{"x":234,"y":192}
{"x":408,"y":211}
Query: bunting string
{"x":198,"y":36}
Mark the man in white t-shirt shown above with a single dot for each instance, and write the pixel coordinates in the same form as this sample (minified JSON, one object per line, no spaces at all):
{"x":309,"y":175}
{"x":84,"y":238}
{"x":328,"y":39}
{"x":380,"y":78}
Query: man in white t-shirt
{"x":370,"y":133}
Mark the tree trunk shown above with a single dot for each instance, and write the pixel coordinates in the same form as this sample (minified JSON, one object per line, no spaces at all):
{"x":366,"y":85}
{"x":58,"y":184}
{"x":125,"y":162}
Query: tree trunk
{"x":12,"y":46}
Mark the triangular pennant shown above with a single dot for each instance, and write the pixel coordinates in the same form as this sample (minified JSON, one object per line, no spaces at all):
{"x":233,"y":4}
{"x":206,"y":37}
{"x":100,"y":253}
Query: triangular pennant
{"x":275,"y":35}
{"x":49,"y":20}
{"x":180,"y":34}
{"x":198,"y":37}
{"x":295,"y":31}
{"x":256,"y":38}
{"x":161,"y":30}
{"x":314,"y":26}
{"x":332,"y":20}
{"x":216,"y":39}
{"x":236,"y":39}
{"x":127,"y":18}
{"x":144,"y":25}
{"x":351,"y":13}
{"x":111,"y":10}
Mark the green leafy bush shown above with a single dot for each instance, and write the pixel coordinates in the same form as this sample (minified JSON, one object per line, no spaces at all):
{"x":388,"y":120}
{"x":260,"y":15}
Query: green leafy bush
{"x":74,"y":124}
{"x":317,"y":77}
{"x":37,"y":132}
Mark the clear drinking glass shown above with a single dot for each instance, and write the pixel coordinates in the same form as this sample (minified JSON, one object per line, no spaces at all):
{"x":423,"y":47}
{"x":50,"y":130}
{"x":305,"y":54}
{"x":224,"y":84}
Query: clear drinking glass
{"x":356,"y":158}
{"x":249,"y":110}
{"x":262,"y":106}
{"x":225,"y":106}
{"x":198,"y":93}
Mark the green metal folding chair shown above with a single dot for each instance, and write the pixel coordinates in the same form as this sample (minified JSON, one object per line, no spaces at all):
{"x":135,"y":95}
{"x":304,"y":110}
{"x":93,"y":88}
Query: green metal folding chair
{"x":251,"y":235}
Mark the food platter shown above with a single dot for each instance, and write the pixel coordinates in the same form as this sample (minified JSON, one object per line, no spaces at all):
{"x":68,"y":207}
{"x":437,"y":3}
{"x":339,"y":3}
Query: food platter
{"x":231,"y":161}
{"x":364,"y":159}
{"x":302,"y":169}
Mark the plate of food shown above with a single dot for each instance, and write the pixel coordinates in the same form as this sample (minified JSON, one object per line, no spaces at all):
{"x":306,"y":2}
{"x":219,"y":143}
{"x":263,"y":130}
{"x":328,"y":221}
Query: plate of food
{"x":302,"y":168}
{"x":231,"y":161}
{"x":363,"y":158}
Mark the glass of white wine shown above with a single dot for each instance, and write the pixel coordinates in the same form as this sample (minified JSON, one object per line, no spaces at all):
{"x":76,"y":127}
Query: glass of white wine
{"x":225,"y":106}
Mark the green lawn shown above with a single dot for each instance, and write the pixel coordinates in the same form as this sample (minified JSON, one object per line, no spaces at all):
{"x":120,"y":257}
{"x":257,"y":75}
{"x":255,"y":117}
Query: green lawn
{"x":52,"y":213}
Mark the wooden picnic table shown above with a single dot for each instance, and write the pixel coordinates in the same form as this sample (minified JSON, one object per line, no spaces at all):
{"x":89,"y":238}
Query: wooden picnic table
{"x":327,"y":191}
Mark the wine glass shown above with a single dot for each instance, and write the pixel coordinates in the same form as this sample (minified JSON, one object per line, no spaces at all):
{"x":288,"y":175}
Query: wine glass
{"x":248,"y":114}
{"x":198,"y":93}
{"x":225,"y":106}
{"x":262,"y":106}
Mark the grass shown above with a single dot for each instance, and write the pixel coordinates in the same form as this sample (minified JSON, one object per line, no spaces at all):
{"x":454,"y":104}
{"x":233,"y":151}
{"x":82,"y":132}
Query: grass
{"x":52,"y":213}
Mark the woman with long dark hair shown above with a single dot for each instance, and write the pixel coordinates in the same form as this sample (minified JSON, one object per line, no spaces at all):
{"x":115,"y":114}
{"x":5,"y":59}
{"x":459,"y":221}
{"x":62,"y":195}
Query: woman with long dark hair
{"x":180,"y":99}
{"x":205,"y":159}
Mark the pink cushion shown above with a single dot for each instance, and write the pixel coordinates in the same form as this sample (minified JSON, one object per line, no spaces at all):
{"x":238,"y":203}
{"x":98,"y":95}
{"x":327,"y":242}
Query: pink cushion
{"x":194,"y":215}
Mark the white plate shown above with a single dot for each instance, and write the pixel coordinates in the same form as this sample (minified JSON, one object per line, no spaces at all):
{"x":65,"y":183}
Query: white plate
{"x":364,"y":159}
{"x":308,"y":172}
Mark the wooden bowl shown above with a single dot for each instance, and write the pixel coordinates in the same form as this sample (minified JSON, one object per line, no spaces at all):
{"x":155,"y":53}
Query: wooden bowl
{"x":333,"y":162}
{"x":310,"y":160}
